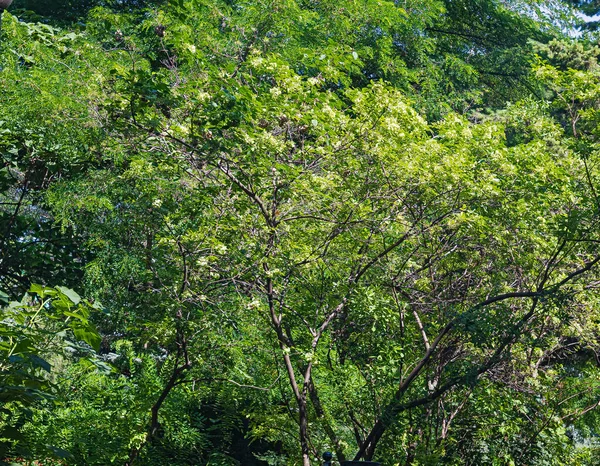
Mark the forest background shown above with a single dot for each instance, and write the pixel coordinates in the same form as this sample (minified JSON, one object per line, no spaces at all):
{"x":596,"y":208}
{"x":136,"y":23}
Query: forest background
{"x":245,"y":232}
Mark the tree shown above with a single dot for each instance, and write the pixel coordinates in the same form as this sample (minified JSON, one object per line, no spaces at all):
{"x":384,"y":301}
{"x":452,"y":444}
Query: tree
{"x":589,"y":10}
{"x":47,"y":325}
{"x":319,"y":247}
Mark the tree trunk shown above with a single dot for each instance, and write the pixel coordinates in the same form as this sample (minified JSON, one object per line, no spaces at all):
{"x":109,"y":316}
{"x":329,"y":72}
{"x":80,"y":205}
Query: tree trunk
{"x":303,"y":420}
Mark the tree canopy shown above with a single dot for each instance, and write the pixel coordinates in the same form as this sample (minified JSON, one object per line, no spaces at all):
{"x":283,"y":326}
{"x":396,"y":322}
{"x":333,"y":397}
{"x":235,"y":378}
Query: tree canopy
{"x":248,"y":232}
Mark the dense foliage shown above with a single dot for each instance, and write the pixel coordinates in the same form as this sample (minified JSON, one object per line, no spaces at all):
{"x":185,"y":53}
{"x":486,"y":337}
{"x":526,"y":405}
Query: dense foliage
{"x":365,"y":227}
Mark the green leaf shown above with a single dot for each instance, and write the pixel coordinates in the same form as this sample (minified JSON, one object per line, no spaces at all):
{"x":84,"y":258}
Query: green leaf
{"x":89,"y":335}
{"x":72,"y":295}
{"x":38,"y":289}
{"x":39,"y":362}
{"x":75,"y":315}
